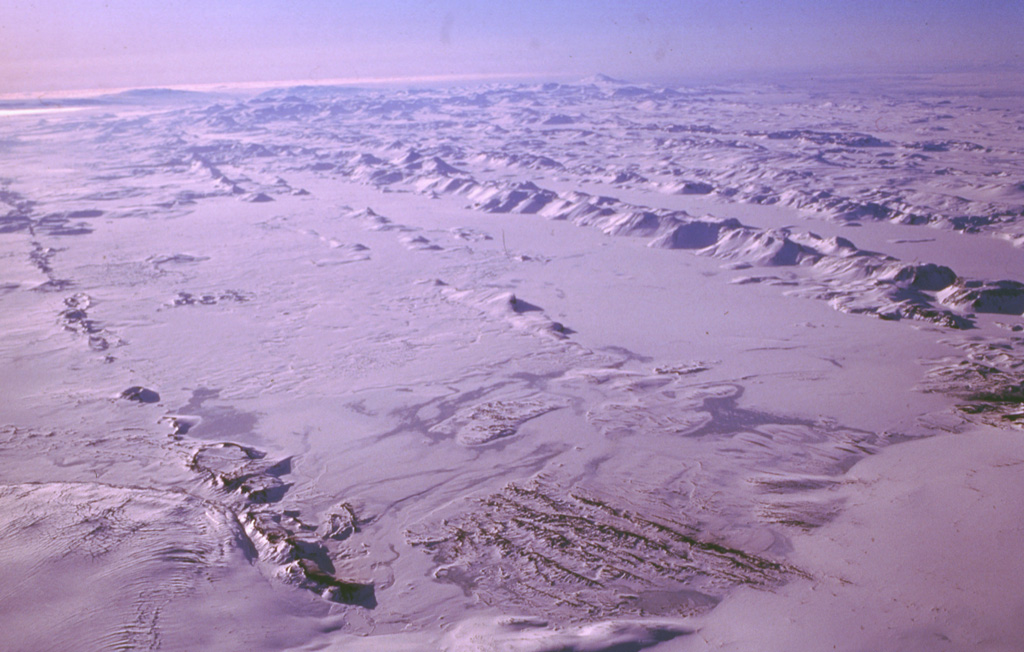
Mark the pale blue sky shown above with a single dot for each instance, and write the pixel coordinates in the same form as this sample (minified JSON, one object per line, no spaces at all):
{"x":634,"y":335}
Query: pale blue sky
{"x":62,"y":44}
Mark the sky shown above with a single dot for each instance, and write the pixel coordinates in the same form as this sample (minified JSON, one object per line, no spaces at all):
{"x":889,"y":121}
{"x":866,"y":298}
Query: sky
{"x":52,"y":45}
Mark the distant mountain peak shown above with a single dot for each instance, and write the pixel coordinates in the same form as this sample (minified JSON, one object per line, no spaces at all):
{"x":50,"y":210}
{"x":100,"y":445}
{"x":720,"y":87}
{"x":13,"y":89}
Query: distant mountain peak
{"x":601,"y":78}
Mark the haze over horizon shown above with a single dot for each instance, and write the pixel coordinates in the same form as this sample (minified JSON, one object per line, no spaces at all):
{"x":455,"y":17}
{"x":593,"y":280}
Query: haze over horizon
{"x":89,"y":44}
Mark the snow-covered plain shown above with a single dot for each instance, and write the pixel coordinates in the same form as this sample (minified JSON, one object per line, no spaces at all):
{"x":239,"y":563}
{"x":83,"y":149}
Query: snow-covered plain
{"x":591,"y":366}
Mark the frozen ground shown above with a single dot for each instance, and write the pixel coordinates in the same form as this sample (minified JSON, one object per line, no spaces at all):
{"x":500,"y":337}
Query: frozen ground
{"x":591,"y":366}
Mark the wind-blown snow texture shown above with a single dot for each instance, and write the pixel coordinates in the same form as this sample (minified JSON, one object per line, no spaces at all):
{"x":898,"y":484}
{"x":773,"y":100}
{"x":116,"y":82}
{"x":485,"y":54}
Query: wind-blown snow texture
{"x":533,"y":367}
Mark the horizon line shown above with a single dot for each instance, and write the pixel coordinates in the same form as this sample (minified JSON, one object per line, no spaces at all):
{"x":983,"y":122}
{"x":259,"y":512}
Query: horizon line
{"x":255,"y":85}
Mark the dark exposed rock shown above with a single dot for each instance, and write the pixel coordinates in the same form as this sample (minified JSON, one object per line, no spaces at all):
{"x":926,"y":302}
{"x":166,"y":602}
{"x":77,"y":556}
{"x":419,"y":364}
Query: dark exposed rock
{"x":245,"y":470}
{"x":524,"y":542}
{"x":340,"y":523}
{"x":303,"y":558}
{"x":140,"y":394}
{"x":1002,"y":297}
{"x":211,"y":298}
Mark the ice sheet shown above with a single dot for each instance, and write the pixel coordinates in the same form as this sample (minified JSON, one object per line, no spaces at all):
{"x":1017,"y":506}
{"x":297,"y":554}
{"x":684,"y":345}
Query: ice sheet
{"x":591,"y":366}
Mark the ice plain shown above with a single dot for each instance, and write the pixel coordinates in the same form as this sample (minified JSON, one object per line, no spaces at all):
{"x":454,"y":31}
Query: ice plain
{"x":587,"y":366}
